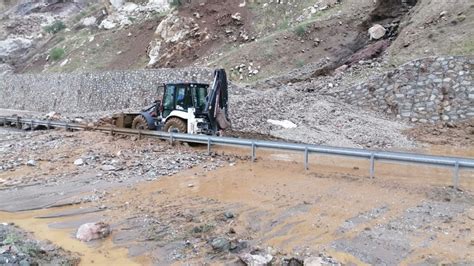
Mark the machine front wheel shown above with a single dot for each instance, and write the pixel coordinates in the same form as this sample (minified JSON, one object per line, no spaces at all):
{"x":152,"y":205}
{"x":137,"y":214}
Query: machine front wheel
{"x":175,"y":124}
{"x":140,"y":123}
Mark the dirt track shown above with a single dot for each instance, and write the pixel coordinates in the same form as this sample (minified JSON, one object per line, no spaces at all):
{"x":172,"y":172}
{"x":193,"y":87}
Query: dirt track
{"x":277,"y":207}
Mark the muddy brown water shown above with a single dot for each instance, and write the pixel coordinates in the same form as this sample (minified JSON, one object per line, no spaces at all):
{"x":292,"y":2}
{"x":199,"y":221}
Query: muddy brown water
{"x":107,"y":253}
{"x":285,"y":206}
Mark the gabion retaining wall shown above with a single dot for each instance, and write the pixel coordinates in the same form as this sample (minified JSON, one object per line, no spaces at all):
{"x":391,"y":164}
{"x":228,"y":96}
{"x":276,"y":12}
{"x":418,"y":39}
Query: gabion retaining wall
{"x":426,"y":90}
{"x":90,"y":92}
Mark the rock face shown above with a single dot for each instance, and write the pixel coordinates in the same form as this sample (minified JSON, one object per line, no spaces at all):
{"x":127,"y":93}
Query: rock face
{"x":93,"y":231}
{"x":172,"y":30}
{"x":377,"y":32}
{"x":13,"y":47}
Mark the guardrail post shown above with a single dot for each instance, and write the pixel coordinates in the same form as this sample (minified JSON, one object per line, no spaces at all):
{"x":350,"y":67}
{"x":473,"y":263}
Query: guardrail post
{"x":171,"y":138}
{"x":67,"y":126}
{"x":254,"y":151}
{"x":18,"y":122}
{"x":306,"y":159}
{"x":31,"y":125}
{"x":5,"y":122}
{"x":208,"y":146}
{"x":372,"y":165}
{"x":456,"y":175}
{"x":49,"y":125}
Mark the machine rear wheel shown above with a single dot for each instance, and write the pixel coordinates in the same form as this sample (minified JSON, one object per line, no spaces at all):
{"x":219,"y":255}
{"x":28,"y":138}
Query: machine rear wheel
{"x":140,"y":123}
{"x":176,"y":125}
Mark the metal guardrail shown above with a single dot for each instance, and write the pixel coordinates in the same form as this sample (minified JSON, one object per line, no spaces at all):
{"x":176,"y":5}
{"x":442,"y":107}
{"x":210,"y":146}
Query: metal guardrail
{"x":456,"y":162}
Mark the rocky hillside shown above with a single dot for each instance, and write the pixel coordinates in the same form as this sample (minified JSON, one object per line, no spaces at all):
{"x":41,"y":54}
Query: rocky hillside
{"x":252,"y":39}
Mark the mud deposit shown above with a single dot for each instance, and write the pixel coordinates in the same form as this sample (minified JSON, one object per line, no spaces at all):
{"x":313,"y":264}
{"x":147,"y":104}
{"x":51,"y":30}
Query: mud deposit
{"x":223,"y":208}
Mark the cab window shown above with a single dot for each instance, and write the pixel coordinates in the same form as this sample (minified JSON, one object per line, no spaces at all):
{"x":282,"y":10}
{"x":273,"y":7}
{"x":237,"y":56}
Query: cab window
{"x":183,"y":98}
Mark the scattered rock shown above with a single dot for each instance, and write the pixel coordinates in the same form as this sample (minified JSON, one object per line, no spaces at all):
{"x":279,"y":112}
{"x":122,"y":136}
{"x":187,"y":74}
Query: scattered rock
{"x":92,"y":231}
{"x":284,"y":123}
{"x":229,"y":215}
{"x":31,"y":163}
{"x":313,"y":261}
{"x":107,"y":24}
{"x":53,"y":116}
{"x":220,"y":244}
{"x":237,"y":16}
{"x":256,"y":260}
{"x":89,"y":21}
{"x":130,"y":7}
{"x":108,"y":168}
{"x":79,"y":162}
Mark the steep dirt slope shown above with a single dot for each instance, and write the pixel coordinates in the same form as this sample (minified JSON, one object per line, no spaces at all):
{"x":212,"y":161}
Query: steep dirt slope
{"x":435,"y":28}
{"x":255,"y":41}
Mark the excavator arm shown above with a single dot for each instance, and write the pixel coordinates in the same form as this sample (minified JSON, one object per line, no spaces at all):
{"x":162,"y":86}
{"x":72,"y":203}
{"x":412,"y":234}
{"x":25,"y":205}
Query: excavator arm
{"x":218,"y":101}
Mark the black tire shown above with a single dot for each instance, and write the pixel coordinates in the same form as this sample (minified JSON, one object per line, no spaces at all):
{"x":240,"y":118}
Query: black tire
{"x":140,"y":123}
{"x":176,"y":125}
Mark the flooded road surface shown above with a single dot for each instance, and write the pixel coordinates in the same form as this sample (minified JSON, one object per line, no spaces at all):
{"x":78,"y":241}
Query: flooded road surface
{"x":407,"y":211}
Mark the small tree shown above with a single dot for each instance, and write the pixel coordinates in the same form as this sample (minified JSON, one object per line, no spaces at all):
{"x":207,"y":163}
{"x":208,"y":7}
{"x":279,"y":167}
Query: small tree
{"x":56,"y":27}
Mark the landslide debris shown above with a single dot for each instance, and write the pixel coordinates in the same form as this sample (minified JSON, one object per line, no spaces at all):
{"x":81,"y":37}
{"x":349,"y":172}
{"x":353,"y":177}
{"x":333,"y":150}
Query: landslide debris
{"x":319,"y":119}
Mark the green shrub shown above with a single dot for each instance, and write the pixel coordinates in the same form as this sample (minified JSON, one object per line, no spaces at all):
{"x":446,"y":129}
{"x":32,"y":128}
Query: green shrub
{"x":56,"y":27}
{"x":56,"y":54}
{"x":175,"y":3}
{"x":300,"y":63}
{"x":300,"y":30}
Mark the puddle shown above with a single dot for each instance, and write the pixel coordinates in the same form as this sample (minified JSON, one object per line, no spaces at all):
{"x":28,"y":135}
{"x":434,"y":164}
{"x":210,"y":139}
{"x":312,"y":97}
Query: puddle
{"x":101,"y":253}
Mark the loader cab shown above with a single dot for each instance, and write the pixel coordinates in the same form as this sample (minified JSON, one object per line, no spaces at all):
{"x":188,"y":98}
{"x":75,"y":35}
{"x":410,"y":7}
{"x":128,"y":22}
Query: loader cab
{"x":182,"y":96}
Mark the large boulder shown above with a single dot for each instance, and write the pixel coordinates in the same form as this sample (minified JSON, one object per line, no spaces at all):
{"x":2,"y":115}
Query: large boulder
{"x":377,"y":32}
{"x":93,"y":231}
